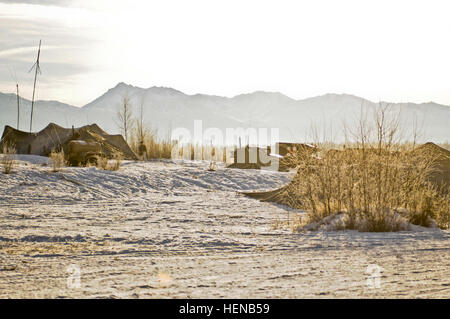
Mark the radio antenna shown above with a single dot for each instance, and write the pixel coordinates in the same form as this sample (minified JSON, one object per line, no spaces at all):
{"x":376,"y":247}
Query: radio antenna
{"x":37,"y":69}
{"x":18,"y":105}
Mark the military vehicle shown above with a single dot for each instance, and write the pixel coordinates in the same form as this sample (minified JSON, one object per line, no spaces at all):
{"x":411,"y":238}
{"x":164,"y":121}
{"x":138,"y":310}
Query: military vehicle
{"x":82,"y":153}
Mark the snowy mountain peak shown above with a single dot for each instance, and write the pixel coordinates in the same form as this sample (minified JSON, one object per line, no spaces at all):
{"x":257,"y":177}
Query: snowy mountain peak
{"x":121,"y":84}
{"x":164,"y":90}
{"x":262,"y":94}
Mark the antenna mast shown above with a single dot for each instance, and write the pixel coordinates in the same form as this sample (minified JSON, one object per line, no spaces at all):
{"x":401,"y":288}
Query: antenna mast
{"x":36,"y":69}
{"x":18,"y":105}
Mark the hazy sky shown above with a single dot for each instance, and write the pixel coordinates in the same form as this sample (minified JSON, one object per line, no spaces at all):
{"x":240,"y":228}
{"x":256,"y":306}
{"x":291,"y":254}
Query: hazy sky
{"x":381,"y":50}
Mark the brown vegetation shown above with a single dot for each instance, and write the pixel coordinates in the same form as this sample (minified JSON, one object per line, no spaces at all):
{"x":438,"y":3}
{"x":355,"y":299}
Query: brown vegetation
{"x":57,"y":159}
{"x":8,"y":158}
{"x":374,"y":180}
{"x":148,"y":145}
{"x":116,"y":161}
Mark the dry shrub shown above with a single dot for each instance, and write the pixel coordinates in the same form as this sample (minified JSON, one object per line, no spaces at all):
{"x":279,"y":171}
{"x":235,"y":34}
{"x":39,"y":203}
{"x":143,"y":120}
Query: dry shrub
{"x":199,"y":152}
{"x":156,"y":148}
{"x":294,"y":222}
{"x":116,"y":161}
{"x":102,"y":163}
{"x":370,"y":178}
{"x":57,"y":158}
{"x":110,"y":165}
{"x":8,"y":158}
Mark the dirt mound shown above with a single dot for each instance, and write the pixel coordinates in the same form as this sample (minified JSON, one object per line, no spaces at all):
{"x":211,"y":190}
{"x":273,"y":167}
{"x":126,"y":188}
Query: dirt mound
{"x":55,"y":137}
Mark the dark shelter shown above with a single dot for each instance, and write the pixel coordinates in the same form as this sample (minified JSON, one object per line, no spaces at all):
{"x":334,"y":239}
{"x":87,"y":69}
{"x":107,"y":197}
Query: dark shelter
{"x":54,"y":138}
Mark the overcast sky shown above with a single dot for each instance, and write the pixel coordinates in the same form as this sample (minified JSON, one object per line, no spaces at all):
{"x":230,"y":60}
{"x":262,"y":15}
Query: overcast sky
{"x":381,"y":50}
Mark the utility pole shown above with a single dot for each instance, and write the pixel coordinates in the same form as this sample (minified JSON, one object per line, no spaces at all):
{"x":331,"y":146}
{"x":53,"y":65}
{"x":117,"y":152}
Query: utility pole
{"x":18,"y":106}
{"x":37,"y":69}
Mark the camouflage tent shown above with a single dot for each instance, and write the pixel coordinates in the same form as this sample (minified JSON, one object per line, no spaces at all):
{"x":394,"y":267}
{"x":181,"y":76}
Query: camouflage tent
{"x":440,"y":176}
{"x":258,"y":157}
{"x":55,"y":137}
{"x":250,"y":158}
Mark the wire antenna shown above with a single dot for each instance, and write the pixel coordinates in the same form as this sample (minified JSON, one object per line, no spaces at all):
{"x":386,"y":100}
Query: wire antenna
{"x":18,"y":105}
{"x":37,"y":69}
{"x":14,"y":77}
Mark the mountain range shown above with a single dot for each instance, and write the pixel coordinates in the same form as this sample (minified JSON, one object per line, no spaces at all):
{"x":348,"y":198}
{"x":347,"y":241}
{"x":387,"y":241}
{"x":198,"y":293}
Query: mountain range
{"x":165,"y":109}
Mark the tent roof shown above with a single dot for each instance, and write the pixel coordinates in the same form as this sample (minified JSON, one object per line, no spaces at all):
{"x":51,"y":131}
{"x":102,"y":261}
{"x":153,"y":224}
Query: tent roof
{"x":54,"y":136}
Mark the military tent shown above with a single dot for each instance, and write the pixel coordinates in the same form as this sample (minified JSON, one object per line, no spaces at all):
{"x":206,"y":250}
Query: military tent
{"x":55,"y":137}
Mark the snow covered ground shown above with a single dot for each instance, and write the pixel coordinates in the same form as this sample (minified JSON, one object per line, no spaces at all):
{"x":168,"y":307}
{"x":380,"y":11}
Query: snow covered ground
{"x":160,"y":229}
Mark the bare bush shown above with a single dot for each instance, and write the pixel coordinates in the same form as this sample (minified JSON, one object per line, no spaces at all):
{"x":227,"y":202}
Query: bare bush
{"x":124,"y":119}
{"x":102,"y":163}
{"x":57,"y":159}
{"x":369,"y":178}
{"x":8,"y":158}
{"x":146,"y":143}
{"x":116,"y":161}
{"x":112,"y":164}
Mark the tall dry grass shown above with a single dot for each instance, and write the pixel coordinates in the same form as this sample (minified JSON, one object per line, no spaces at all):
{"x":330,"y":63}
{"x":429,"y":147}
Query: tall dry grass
{"x":57,"y":160}
{"x":209,"y":153}
{"x":103,"y":162}
{"x":8,"y":158}
{"x":374,"y":178}
{"x":112,"y":164}
{"x":116,"y":161}
{"x":157,"y":147}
